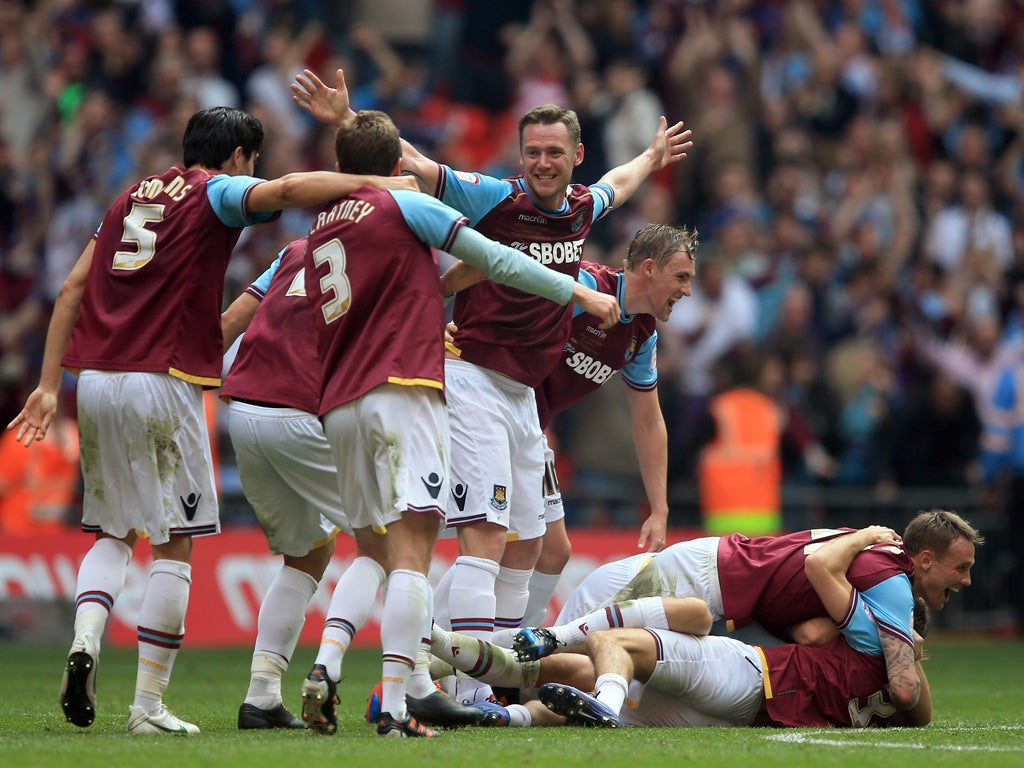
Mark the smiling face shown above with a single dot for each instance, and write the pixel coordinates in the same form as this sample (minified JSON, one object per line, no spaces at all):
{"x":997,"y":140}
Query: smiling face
{"x":669,"y":283}
{"x":549,"y":156}
{"x":936,"y":576}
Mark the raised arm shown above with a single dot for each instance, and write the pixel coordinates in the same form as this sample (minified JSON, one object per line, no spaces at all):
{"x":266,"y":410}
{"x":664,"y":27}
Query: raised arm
{"x":669,"y":145}
{"x":326,"y":104}
{"x":41,"y":406}
{"x":650,"y":438}
{"x":415,"y":162}
{"x":331,"y":106}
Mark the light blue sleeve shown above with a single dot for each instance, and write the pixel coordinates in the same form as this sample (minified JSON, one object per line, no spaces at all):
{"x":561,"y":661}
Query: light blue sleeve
{"x":227,"y":197}
{"x":261,"y":284}
{"x":892,"y":604}
{"x":471,"y":193}
{"x":642,"y":370}
{"x":433,"y":222}
{"x":511,"y":267}
{"x":445,"y":228}
{"x":861,"y":632}
{"x":586,"y":279}
{"x":604,"y":199}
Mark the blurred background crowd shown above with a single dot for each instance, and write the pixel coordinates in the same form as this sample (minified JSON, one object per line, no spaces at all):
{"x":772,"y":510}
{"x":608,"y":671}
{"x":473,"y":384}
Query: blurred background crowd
{"x":857,"y":180}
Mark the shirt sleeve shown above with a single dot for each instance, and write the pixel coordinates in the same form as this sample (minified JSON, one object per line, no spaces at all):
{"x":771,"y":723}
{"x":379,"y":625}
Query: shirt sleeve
{"x":588,"y":280}
{"x":511,"y":267}
{"x":604,"y":199}
{"x":432,"y":221}
{"x":473,"y":194}
{"x":261,"y":284}
{"x":445,"y":228}
{"x":859,"y":627}
{"x":642,"y":371}
{"x":227,"y":196}
{"x":891,"y":602}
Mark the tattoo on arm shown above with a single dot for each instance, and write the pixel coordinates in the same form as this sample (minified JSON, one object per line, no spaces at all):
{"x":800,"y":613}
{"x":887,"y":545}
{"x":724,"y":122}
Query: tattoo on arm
{"x":904,"y":683}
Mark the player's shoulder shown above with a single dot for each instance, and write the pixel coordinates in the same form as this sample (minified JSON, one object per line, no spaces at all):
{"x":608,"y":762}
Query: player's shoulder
{"x":476,"y":179}
{"x":581,"y":191}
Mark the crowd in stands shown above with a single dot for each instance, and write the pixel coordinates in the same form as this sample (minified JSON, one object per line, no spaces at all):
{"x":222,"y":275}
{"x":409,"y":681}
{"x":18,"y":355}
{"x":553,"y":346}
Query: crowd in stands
{"x":857,"y":180}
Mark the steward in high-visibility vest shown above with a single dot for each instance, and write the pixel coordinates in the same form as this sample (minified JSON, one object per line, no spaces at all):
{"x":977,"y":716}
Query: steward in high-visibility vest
{"x":740,"y":471}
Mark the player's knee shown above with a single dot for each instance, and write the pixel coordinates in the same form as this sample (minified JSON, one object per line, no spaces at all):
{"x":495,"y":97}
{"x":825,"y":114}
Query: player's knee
{"x":626,"y":650}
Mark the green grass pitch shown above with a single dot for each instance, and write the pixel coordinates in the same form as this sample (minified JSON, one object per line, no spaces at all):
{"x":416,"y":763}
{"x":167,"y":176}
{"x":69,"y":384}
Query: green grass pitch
{"x":978,"y":690}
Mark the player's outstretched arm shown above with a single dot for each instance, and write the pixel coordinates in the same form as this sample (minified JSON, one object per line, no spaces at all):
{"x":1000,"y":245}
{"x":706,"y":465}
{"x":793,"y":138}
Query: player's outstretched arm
{"x":503,"y":264}
{"x":669,"y":145}
{"x":41,"y":406}
{"x":303,"y":189}
{"x":415,"y":162}
{"x":511,"y":267}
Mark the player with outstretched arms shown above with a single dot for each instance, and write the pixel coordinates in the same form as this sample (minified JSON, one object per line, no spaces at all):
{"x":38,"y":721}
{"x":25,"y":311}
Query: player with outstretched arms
{"x":372,"y":279}
{"x":506,"y":343}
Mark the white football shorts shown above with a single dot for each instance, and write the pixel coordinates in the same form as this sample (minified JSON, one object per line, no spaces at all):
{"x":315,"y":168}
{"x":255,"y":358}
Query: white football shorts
{"x":497,"y":451}
{"x":390,"y":447}
{"x":288,"y":476}
{"x":702,"y":681}
{"x":684,"y":569}
{"x":146,"y":461}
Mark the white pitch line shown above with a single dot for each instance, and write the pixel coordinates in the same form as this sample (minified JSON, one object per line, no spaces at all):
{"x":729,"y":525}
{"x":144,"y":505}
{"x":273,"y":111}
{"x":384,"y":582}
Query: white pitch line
{"x":800,"y":738}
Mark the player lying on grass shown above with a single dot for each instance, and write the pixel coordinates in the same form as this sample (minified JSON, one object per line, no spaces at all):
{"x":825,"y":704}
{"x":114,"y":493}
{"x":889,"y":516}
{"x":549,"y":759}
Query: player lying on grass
{"x":678,"y":676}
{"x":763,"y":580}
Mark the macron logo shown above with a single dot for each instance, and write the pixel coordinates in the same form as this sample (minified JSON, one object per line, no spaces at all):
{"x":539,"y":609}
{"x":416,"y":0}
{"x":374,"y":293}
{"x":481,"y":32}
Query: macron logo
{"x":433,"y":484}
{"x":459,"y":492}
{"x":190,"y":505}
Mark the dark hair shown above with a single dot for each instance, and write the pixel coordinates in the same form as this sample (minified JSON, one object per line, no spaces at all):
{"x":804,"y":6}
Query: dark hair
{"x":213,"y":134}
{"x":550,"y":114}
{"x":659,"y":242}
{"x":368,"y":143}
{"x":935,"y":530}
